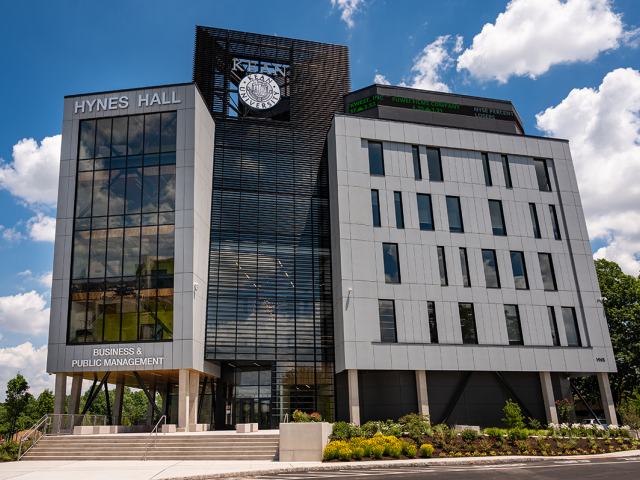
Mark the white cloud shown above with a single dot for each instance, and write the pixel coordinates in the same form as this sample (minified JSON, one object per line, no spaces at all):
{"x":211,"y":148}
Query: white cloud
{"x":381,"y":80}
{"x":42,"y":228}
{"x":26,"y":273}
{"x":603,"y":126}
{"x":349,"y":8}
{"x":532,"y":35}
{"x":11,"y":235}
{"x":45,"y":279}
{"x":24,"y":313}
{"x":33,"y":174}
{"x":431,"y":62}
{"x":31,"y":362}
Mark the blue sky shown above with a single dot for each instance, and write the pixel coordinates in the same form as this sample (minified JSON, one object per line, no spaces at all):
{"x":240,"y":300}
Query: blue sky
{"x":577,"y":58}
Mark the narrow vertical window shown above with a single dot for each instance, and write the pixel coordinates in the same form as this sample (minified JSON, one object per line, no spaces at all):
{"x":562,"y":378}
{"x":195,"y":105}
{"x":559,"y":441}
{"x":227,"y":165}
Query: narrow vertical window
{"x":491,"y":275}
{"x":375,"y":207}
{"x":542,"y":174}
{"x":534,"y":220}
{"x":548,"y":275}
{"x":464,"y":262}
{"x":376,"y":161}
{"x":571,"y":326}
{"x":442,"y":264}
{"x":468,"y":323}
{"x":391,"y":263}
{"x":555,"y":336}
{"x":455,"y":214}
{"x":554,"y":222}
{"x":386,"y":310}
{"x":433,"y":325}
{"x":434,"y":164}
{"x":519,"y":271}
{"x":417,"y":170}
{"x":487,"y":170}
{"x":497,"y":217}
{"x":514,"y":328}
{"x":425,"y":212}
{"x":397,"y":200}
{"x":507,"y":171}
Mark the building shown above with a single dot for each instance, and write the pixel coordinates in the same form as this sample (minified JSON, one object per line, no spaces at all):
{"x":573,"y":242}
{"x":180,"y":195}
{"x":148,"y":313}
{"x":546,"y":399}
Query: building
{"x":263,"y":240}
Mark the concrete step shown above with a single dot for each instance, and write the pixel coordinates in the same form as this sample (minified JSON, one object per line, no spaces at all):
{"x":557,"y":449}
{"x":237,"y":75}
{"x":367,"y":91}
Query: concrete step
{"x":29,"y":457}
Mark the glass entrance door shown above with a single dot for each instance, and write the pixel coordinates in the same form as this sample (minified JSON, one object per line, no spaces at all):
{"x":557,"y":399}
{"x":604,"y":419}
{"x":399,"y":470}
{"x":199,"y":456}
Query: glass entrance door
{"x":248,"y":410}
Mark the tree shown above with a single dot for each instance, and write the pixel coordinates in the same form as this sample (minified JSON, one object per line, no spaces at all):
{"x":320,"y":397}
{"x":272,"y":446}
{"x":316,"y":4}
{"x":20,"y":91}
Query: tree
{"x":44,"y":403}
{"x":17,"y":399}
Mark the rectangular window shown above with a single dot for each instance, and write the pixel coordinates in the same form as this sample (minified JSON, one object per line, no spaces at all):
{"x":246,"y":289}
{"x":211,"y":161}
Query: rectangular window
{"x":534,"y":220}
{"x":514,"y":329}
{"x":375,"y":207}
{"x":542,"y":174}
{"x":433,"y":326}
{"x":571,"y":326}
{"x":487,"y":170}
{"x":417,"y":170}
{"x":397,"y":200}
{"x":491,"y":275}
{"x":468,"y":323}
{"x":442,"y":264}
{"x":425,"y":212}
{"x":391,"y":263}
{"x":386,"y":310}
{"x":455,"y":214}
{"x":376,"y":161}
{"x":497,"y":217}
{"x":434,"y":164}
{"x":555,"y":336}
{"x":507,"y":171}
{"x":519,"y":271}
{"x":464,"y":261}
{"x":548,"y":275}
{"x":554,"y":222}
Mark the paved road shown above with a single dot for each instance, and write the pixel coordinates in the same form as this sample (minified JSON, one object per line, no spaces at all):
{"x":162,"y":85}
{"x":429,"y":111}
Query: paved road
{"x":583,"y":469}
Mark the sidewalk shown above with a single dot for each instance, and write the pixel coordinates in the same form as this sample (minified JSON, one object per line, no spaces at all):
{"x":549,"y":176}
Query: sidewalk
{"x":182,"y":470}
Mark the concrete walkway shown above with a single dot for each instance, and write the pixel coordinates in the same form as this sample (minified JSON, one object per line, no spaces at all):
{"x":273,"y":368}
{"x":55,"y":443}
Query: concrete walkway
{"x":183,"y":470}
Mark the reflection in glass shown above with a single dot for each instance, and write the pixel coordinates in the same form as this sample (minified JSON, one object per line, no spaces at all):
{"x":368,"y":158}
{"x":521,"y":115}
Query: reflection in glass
{"x":376,"y":162}
{"x":455,"y":215}
{"x":152,"y":133}
{"x":519,"y":271}
{"x":119,"y":137}
{"x":80,"y":254}
{"x":534,"y":220}
{"x":116,"y":191}
{"x":397,"y":199}
{"x":571,"y":327}
{"x":514,"y":329}
{"x":150,"y":189}
{"x":387,"y":314}
{"x":167,"y":188}
{"x":464,"y":262}
{"x":548,"y":275}
{"x":487,"y":169}
{"x":84,"y":194}
{"x":491,"y":275}
{"x":134,"y":190}
{"x":434,"y":165}
{"x":103,"y":138}
{"x":136,"y":125}
{"x":417,"y":170}
{"x":114,"y":252}
{"x":442,"y":267}
{"x":98,"y":253}
{"x":168,"y":122}
{"x":375,"y":207}
{"x":542,"y":174}
{"x":433,"y":325}
{"x":554,"y":222}
{"x":425,"y":215}
{"x":391,"y":263}
{"x":87,"y":139}
{"x":497,"y":217}
{"x":100,"y":193}
{"x":506,"y":169}
{"x":467,"y":323}
{"x":555,"y":336}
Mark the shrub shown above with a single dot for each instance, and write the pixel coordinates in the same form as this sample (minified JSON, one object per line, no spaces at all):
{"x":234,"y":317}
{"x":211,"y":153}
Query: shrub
{"x":564,"y":408}
{"x":506,"y":449}
{"x":331,"y":450}
{"x":378,"y":451}
{"x":517,"y":434}
{"x":406,"y":443}
{"x":629,"y":411}
{"x":469,"y":435}
{"x":495,"y":434}
{"x":340,"y":431}
{"x":416,"y":424}
{"x":10,"y":449}
{"x":426,"y":450}
{"x":411,"y":451}
{"x":358,"y":453}
{"x":484,"y":446}
{"x":534,"y":424}
{"x":513,"y":415}
{"x":521,"y":445}
{"x":369,"y":429}
{"x":395,"y":451}
{"x":440,"y":429}
{"x":542,"y":445}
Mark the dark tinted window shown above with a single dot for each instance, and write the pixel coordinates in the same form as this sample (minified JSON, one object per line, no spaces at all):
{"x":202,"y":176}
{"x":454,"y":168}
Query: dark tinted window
{"x":391,"y":263}
{"x":497,"y":217}
{"x":434,"y":164}
{"x":519,"y":271}
{"x":417,"y":169}
{"x":571,"y":326}
{"x":425,"y":213}
{"x":397,"y":199}
{"x":548,"y":274}
{"x":553,"y":324}
{"x":534,"y":220}
{"x":455,"y":214}
{"x":490,"y":268}
{"x":375,"y":207}
{"x":433,"y":325}
{"x":514,"y":329}
{"x":467,"y":323}
{"x":554,"y":222}
{"x":376,"y":162}
{"x":542,"y":174}
{"x":386,"y":310}
{"x":487,"y":170}
{"x":443,"y":267}
{"x":507,"y":171}
{"x":464,"y":262}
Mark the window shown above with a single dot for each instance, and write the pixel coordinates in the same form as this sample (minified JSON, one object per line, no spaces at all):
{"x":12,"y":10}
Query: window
{"x":534,"y":220}
{"x":468,"y":323}
{"x":455,"y":214}
{"x":386,"y":310}
{"x":519,"y":271}
{"x":465,"y":267}
{"x":375,"y":207}
{"x":397,"y":199}
{"x":487,"y":170}
{"x":425,"y":212}
{"x":443,"y":267}
{"x":571,"y":326}
{"x":417,"y":170}
{"x":514,"y":329}
{"x":497,"y":217}
{"x":555,"y":336}
{"x":548,"y":275}
{"x":434,"y":164}
{"x":433,"y":325}
{"x":507,"y":171}
{"x":542,"y":173}
{"x":376,"y":161}
{"x":391,"y":263}
{"x":554,"y":222}
{"x":490,"y":268}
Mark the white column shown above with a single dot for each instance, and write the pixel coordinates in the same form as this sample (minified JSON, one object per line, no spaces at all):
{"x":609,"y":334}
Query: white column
{"x":548,"y":397}
{"x":194,"y":384}
{"x":118,"y":400}
{"x":423,"y":397}
{"x":607,"y":399}
{"x":354,"y":397}
{"x":60,"y":398}
{"x":76,"y":391}
{"x":183,"y":400}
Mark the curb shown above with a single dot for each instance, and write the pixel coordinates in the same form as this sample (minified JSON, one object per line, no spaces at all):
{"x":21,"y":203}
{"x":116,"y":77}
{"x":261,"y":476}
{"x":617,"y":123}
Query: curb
{"x":392,"y":464}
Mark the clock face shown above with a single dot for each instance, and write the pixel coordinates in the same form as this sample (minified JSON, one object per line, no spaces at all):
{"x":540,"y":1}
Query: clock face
{"x":259,"y":92}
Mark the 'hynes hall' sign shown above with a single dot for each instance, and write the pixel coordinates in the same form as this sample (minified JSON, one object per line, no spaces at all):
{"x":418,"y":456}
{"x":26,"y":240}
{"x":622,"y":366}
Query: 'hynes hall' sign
{"x":123,"y":357}
{"x":115,"y":103}
{"x":431,"y":106}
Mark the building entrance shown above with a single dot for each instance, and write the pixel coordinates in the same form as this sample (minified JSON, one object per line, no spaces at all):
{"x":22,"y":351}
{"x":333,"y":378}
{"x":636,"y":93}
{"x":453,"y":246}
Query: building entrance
{"x":248,"y":410}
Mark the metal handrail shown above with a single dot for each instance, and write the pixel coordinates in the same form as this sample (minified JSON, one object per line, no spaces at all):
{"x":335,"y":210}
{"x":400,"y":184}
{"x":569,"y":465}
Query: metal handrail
{"x":155,"y":443}
{"x":286,"y":418}
{"x":33,"y":429}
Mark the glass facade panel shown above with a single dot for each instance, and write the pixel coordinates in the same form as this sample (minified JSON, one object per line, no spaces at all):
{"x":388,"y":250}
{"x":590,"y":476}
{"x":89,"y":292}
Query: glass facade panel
{"x":506,"y":169}
{"x":103,"y":138}
{"x":454,"y":214}
{"x":397,"y":200}
{"x":152,"y":133}
{"x":571,"y":327}
{"x":554,"y":222}
{"x":442,"y":265}
{"x":490,"y":265}
{"x":375,"y":207}
{"x":486,"y":169}
{"x":387,"y":313}
{"x":433,"y":325}
{"x":519,"y":271}
{"x":548,"y":274}
{"x":87,"y":139}
{"x":376,"y":160}
{"x":464,"y":263}
{"x":534,"y":220}
{"x":391,"y":263}
{"x":514,"y":329}
{"x":468,"y":323}
{"x":542,"y":174}
{"x":497,"y":217}
{"x":417,"y":169}
{"x":168,"y":124}
{"x":553,"y":324}
{"x":136,"y":134}
{"x":434,"y":165}
{"x":425,"y":212}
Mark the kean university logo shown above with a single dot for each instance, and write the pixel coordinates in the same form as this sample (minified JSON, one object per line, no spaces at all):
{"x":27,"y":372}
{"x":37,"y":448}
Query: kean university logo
{"x":259,"y":92}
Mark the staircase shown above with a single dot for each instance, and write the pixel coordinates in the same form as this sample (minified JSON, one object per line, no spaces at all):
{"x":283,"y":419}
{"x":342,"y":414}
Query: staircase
{"x":254,"y":446}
